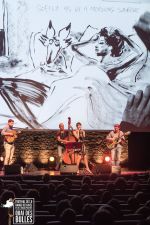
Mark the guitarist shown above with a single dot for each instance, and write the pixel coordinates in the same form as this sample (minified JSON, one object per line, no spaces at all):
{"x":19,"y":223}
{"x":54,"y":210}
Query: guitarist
{"x":9,"y":147}
{"x":116,"y":138}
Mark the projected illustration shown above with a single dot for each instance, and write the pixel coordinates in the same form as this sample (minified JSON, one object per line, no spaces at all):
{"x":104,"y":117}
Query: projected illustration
{"x":71,"y":60}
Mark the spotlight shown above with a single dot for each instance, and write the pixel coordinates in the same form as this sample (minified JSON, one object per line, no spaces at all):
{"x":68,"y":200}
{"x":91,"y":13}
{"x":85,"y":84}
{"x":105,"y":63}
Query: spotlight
{"x":51,"y":159}
{"x":107,"y":159}
{"x":52,"y":162}
{"x":1,"y":159}
{"x":1,"y":162}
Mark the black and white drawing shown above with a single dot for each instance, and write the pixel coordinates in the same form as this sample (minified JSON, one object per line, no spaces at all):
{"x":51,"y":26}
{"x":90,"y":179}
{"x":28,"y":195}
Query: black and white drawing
{"x":81,"y":60}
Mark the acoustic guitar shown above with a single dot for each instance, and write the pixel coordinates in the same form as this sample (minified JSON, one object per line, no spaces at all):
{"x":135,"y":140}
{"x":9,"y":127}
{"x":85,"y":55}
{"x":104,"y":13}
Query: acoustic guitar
{"x":11,"y":139}
{"x":111,"y":145}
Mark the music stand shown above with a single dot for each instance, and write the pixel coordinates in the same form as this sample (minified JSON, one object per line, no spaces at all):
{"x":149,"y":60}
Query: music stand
{"x":73,"y":146}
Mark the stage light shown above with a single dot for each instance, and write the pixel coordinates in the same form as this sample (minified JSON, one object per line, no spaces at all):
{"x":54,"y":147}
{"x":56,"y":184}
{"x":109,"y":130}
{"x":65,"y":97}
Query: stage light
{"x":107,"y":159}
{"x":51,"y":158}
{"x":52,"y":162}
{"x":1,"y":159}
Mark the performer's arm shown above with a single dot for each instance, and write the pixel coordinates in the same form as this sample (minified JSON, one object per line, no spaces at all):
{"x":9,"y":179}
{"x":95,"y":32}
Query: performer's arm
{"x":83,"y":133}
{"x":76,"y":134}
{"x":109,"y":138}
{"x":5,"y":133}
{"x":61,"y":140}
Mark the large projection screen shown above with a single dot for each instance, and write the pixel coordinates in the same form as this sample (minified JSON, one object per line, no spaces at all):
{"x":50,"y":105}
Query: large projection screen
{"x":78,"y":59}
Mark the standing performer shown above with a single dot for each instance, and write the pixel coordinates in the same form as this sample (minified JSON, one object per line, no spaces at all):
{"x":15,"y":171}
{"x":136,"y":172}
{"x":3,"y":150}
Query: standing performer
{"x":79,"y":134}
{"x":9,"y":140}
{"x":61,"y":136}
{"x":115,"y":141}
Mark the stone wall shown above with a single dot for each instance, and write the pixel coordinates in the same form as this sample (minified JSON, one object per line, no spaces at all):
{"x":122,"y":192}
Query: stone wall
{"x":39,"y":145}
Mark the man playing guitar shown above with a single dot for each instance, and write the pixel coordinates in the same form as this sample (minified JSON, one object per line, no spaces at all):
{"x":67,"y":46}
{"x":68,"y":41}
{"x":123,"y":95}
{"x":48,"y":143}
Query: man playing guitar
{"x":115,"y":141}
{"x":9,"y":140}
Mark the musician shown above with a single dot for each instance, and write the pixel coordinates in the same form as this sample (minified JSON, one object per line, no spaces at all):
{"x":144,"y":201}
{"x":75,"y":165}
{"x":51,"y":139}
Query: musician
{"x":117,"y":137}
{"x":61,"y":137}
{"x":79,"y":134}
{"x":8,"y":146}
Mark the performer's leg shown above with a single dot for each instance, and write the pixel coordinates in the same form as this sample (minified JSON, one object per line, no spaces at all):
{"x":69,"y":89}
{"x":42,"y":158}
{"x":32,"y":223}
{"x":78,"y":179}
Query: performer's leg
{"x":86,"y":163}
{"x":78,"y":161}
{"x":59,"y":160}
{"x":113,"y":157}
{"x":7,"y":148}
{"x":118,"y":155}
{"x":12,"y":150}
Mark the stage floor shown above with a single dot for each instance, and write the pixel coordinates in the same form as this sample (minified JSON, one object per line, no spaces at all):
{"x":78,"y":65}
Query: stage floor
{"x":40,"y":172}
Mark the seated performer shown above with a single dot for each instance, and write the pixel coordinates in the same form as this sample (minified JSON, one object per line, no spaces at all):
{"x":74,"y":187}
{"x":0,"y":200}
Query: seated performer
{"x":61,"y":136}
{"x":115,"y":141}
{"x":79,"y":134}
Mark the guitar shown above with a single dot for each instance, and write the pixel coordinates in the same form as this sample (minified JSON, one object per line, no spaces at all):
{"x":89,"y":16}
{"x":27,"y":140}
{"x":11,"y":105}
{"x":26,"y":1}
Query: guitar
{"x":11,"y":139}
{"x":117,"y":140}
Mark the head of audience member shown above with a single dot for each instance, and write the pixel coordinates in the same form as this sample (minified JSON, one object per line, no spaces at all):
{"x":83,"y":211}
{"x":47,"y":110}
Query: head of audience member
{"x":110,"y":209}
{"x":147,"y":203}
{"x":87,"y":199}
{"x":16,"y":188}
{"x":88,"y":210}
{"x":136,"y":186}
{"x":46,"y":178}
{"x":61,"y":196}
{"x":77,"y":204}
{"x":140,"y":197}
{"x":60,"y":187}
{"x":116,"y":205}
{"x":120,"y":183}
{"x":67,"y":182}
{"x":133,"y":203}
{"x":61,"y":206}
{"x":106,"y":196}
{"x":113,"y":176}
{"x":68,"y":216}
{"x":102,"y":216}
{"x":110,"y":186}
{"x":86,"y":180}
{"x":85,"y":189}
{"x":144,"y":211}
{"x":33,"y":193}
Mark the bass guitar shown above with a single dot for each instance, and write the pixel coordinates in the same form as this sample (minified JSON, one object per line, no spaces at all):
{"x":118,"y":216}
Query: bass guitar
{"x":111,"y":145}
{"x":69,"y":155}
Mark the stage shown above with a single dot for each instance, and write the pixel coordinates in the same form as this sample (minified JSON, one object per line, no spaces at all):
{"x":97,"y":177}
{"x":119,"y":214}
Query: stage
{"x":41,"y":172}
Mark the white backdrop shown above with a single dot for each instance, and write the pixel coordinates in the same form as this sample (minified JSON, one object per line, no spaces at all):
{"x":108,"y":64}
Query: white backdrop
{"x":52,"y":69}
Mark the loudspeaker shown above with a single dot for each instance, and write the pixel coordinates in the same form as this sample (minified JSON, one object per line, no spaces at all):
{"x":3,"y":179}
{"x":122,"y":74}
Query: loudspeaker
{"x":101,"y":168}
{"x":12,"y":169}
{"x":68,"y":169}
